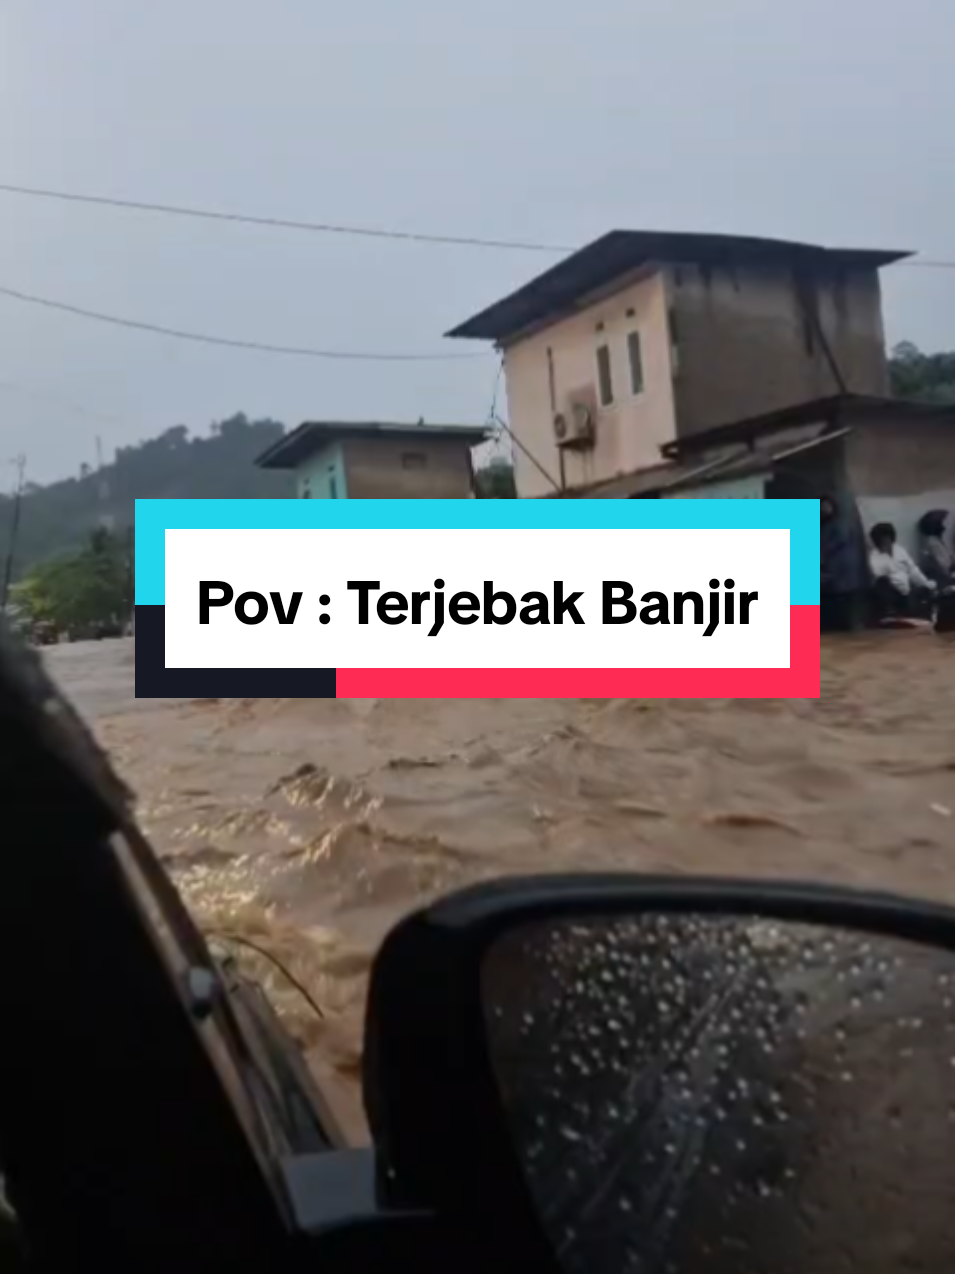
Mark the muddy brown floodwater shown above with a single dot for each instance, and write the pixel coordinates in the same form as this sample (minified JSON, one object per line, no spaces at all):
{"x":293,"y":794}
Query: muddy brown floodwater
{"x":310,"y":825}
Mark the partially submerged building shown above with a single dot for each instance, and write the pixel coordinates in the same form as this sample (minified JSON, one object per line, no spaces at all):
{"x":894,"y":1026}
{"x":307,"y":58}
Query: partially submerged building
{"x":892,"y":459}
{"x":338,"y":460}
{"x":641,"y":342}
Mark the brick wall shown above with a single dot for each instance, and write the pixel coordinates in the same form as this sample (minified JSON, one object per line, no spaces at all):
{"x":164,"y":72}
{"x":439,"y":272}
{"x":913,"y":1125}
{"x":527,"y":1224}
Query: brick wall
{"x":407,"y":468}
{"x":744,"y":347}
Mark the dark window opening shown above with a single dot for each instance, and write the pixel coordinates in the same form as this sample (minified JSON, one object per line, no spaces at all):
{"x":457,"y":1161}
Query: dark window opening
{"x":551,"y":381}
{"x":635,"y":357}
{"x":673,"y":330}
{"x":604,"y":375}
{"x":414,"y":460}
{"x":332,"y":485}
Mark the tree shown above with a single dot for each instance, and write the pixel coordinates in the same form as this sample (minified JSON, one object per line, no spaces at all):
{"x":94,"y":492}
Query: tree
{"x":923,"y":377}
{"x":56,"y":519}
{"x":80,"y":590}
{"x":495,"y":481}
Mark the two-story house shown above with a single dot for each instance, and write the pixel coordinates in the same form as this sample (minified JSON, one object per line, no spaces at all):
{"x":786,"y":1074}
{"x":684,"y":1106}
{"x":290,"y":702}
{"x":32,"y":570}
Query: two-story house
{"x":642,"y":339}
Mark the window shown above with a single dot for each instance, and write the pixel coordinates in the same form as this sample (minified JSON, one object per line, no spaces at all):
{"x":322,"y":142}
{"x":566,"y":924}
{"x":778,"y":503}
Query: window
{"x":332,"y":485}
{"x":414,"y":460}
{"x":604,"y":375}
{"x":551,"y":381}
{"x":674,"y":341}
{"x":635,"y":359}
{"x":306,"y":490}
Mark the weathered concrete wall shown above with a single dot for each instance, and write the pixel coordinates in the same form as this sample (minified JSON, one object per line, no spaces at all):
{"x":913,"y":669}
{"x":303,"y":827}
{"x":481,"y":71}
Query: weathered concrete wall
{"x":407,"y":469}
{"x":906,"y":456}
{"x":900,"y":470}
{"x":542,"y":369}
{"x":744,"y":347}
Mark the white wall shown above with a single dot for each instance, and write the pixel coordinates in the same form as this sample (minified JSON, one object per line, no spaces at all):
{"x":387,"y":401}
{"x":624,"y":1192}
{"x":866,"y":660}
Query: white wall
{"x":903,"y":512}
{"x":631,"y":431}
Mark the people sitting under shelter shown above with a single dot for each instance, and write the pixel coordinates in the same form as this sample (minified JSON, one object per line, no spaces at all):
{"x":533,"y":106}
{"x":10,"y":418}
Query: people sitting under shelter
{"x":900,"y":589}
{"x":936,"y":559}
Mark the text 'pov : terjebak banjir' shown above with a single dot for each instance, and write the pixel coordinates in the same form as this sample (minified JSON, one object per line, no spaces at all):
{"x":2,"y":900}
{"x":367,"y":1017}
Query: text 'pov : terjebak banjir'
{"x":433,"y":608}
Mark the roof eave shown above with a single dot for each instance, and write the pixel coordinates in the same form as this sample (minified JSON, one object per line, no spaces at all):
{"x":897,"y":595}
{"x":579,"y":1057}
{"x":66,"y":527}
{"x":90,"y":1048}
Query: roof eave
{"x":295,"y":448}
{"x":490,"y":324}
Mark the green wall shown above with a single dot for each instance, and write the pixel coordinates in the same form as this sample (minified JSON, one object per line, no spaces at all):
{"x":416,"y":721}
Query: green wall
{"x":323,"y":476}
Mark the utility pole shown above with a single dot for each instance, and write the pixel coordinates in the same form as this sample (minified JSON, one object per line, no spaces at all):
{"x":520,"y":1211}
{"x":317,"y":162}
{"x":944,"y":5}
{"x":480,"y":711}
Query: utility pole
{"x":21,"y":464}
{"x":104,"y":519}
{"x":131,"y":575}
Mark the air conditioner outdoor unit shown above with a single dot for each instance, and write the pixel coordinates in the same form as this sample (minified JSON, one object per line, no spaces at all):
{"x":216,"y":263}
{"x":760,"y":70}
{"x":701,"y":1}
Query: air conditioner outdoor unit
{"x":576,"y":425}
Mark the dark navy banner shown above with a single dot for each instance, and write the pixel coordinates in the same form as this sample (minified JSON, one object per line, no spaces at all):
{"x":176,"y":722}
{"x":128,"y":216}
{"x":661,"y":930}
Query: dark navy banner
{"x":155,"y":681}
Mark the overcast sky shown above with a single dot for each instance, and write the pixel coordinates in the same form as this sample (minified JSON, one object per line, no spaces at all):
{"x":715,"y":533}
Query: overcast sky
{"x":828,"y":120}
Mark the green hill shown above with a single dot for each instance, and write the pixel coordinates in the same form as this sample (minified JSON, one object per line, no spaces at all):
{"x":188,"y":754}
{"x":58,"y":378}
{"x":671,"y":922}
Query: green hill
{"x":58,"y":518}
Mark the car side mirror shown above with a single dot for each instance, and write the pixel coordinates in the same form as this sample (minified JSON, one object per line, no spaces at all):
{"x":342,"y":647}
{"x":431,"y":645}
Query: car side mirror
{"x":600,"y":1074}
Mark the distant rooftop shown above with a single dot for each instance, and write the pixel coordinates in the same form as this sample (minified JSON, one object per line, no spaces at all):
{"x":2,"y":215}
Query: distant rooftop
{"x":622,"y":252}
{"x":295,"y":448}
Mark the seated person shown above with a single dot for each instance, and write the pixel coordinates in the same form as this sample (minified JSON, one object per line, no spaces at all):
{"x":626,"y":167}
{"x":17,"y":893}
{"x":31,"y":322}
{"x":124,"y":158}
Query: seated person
{"x":900,"y":590}
{"x":936,"y":559}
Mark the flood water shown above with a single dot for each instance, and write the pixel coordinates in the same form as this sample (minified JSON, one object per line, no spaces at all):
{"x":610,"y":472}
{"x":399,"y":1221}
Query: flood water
{"x":308,"y":826}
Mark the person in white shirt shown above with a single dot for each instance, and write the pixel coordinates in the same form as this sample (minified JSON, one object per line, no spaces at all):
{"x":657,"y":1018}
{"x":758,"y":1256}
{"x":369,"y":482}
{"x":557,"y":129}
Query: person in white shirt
{"x":900,"y":588}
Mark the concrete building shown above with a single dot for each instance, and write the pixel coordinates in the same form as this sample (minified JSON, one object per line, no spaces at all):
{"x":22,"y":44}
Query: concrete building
{"x":888,"y":459}
{"x":337,"y":460}
{"x":643,"y":339}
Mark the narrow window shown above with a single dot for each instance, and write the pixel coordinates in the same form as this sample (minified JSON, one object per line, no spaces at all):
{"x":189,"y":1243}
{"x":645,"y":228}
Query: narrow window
{"x":332,"y":485}
{"x":551,"y":381}
{"x":635,"y":358}
{"x":674,"y":340}
{"x":306,"y":490}
{"x":604,"y":375}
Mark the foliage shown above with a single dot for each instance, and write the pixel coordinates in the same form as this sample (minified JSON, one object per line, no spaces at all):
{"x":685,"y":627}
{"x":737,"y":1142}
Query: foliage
{"x":78,"y":590}
{"x":925,"y":377}
{"x":495,"y":481}
{"x":57,"y":519}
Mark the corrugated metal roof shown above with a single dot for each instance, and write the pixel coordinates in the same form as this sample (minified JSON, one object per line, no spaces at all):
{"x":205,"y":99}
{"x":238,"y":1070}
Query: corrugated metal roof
{"x":661,"y":477}
{"x":838,"y":408}
{"x":296,"y":447}
{"x":622,"y":252}
{"x":757,"y":462}
{"x":740,"y":462}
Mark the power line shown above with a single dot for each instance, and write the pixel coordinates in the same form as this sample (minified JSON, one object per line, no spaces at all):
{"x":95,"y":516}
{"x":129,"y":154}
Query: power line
{"x":324,"y":227}
{"x":205,"y":338}
{"x":281,"y":223}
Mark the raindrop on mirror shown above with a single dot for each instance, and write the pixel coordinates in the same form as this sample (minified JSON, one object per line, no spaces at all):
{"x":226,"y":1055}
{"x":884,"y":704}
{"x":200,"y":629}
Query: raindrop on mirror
{"x":711,"y":1094}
